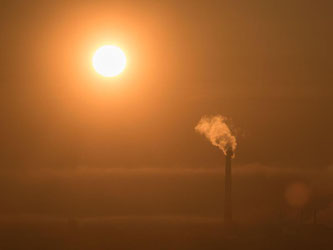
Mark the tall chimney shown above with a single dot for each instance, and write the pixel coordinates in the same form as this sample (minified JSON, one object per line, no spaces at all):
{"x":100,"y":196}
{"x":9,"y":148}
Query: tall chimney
{"x":227,"y":195}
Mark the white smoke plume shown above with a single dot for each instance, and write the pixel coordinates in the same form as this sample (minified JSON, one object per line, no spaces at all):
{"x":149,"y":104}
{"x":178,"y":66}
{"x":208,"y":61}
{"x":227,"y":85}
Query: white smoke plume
{"x":217,"y":132}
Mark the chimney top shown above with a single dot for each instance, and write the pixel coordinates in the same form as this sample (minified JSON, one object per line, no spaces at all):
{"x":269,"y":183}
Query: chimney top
{"x":230,"y":152}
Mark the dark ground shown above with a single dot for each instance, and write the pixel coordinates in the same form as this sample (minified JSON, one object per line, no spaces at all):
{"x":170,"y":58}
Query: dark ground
{"x":158,"y":233}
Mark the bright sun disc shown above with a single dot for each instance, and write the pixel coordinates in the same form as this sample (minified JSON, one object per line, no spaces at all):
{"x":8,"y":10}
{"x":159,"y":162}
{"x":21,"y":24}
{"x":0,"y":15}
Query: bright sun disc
{"x":109,"y":61}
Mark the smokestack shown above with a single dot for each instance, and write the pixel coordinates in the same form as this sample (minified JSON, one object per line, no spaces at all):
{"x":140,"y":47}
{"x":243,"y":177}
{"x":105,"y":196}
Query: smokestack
{"x":227,"y":194}
{"x":218,"y":133}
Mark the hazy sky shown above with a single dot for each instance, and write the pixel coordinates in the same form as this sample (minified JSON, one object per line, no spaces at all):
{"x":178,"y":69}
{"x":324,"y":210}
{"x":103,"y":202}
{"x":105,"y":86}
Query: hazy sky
{"x":265,"y":64}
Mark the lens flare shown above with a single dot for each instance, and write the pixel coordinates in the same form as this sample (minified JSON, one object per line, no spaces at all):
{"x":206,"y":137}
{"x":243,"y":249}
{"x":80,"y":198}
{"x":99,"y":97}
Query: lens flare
{"x":297,"y":194}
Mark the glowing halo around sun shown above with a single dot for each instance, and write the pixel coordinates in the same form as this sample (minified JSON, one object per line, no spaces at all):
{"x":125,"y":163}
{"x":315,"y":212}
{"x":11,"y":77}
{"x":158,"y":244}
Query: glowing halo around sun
{"x":109,"y":61}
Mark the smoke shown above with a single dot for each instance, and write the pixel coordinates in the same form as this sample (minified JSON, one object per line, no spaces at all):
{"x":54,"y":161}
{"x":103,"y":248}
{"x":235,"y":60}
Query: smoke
{"x":217,"y":132}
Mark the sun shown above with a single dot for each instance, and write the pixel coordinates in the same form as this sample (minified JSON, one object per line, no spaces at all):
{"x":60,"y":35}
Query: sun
{"x":109,"y":61}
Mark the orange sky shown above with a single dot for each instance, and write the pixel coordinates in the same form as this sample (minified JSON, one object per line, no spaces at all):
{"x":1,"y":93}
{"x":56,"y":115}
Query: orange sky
{"x":267,"y":70}
{"x":265,"y":64}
